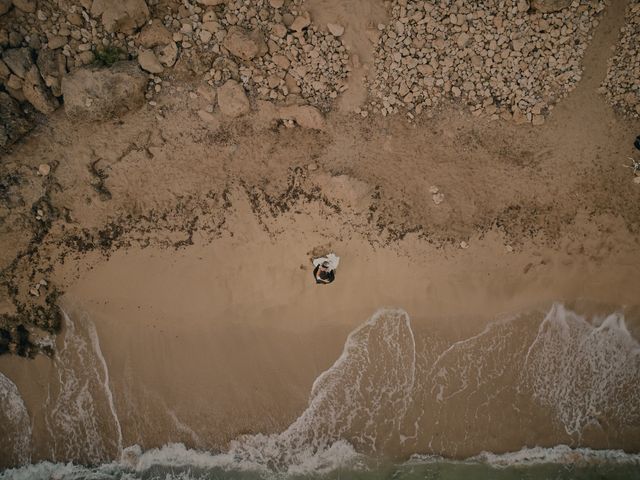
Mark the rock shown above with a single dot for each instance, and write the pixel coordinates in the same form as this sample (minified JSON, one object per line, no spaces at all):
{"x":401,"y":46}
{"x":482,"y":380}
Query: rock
{"x":205,"y":36}
{"x":75,"y":19}
{"x":13,"y":124}
{"x":636,"y":180}
{"x":149,"y":62}
{"x":232,"y":99}
{"x":281,"y":61}
{"x":305,"y":116}
{"x":438,"y":198}
{"x":464,"y":245}
{"x":4,"y":71}
{"x":279,"y":30}
{"x":121,"y":16}
{"x":211,"y":2}
{"x":94,"y":94}
{"x":85,"y":58}
{"x":44,"y":169}
{"x":300,"y":23}
{"x":243,"y":44}
{"x":154,"y":34}
{"x":5,"y":6}
{"x":14,"y":83}
{"x":28,"y":6}
{"x":433,"y":189}
{"x":37,"y":93}
{"x":168,"y":54}
{"x":18,"y":60}
{"x":550,"y":6}
{"x":52,"y":68}
{"x":335,"y":29}
{"x":56,"y":41}
{"x":207,"y":117}
{"x":276,"y":3}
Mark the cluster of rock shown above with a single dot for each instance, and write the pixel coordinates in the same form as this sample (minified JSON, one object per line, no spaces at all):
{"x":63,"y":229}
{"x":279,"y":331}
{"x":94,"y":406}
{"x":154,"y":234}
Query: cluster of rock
{"x":503,"y":58}
{"x":272,"y":48}
{"x":622,"y":84}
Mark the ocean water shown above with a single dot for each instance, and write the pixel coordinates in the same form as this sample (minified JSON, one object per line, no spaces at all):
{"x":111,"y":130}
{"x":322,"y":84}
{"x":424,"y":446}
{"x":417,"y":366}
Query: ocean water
{"x":554,"y":377}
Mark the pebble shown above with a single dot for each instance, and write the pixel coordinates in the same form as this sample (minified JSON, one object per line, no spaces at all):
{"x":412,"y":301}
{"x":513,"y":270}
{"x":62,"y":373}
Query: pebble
{"x":44,"y":169}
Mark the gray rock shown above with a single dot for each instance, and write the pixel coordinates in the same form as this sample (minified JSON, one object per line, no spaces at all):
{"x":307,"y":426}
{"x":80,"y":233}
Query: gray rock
{"x":95,"y":94}
{"x":13,"y":123}
{"x":19,"y":60}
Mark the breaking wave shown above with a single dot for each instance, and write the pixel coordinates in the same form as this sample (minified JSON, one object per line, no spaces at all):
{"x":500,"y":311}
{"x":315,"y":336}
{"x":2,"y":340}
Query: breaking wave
{"x":392,"y":392}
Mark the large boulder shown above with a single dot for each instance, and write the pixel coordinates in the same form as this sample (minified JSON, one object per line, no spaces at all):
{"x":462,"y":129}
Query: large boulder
{"x":124,"y":16}
{"x":94,"y":94}
{"x":28,"y":6}
{"x":13,"y":123}
{"x":232,"y":100}
{"x":19,"y":60}
{"x":37,"y":93}
{"x":154,"y":34}
{"x":149,"y":62}
{"x":550,"y":6}
{"x":52,"y":66}
{"x":244,"y":44}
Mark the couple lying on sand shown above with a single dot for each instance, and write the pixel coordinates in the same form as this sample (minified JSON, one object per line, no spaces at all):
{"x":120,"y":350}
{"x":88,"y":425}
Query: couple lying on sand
{"x":325,"y":267}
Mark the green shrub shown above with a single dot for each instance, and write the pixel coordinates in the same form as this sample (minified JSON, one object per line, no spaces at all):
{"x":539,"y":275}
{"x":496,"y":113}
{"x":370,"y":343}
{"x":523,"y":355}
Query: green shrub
{"x":108,"y":56}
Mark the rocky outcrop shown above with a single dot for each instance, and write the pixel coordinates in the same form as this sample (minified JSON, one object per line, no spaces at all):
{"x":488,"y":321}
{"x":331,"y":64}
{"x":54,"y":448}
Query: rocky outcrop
{"x":95,"y":94}
{"x":124,"y":16}
{"x":13,"y":123}
{"x":232,"y":99}
{"x":37,"y":94}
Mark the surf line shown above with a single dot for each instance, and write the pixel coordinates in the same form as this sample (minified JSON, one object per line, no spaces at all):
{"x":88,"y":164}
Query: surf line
{"x":95,"y":343}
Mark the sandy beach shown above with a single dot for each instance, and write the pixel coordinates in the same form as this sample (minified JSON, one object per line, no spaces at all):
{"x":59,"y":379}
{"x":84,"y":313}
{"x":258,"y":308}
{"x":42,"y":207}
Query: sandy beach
{"x":486,"y":298}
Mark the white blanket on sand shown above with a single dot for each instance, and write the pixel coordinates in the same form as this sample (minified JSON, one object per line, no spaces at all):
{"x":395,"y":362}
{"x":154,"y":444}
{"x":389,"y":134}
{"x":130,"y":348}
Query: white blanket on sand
{"x":331,"y":258}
